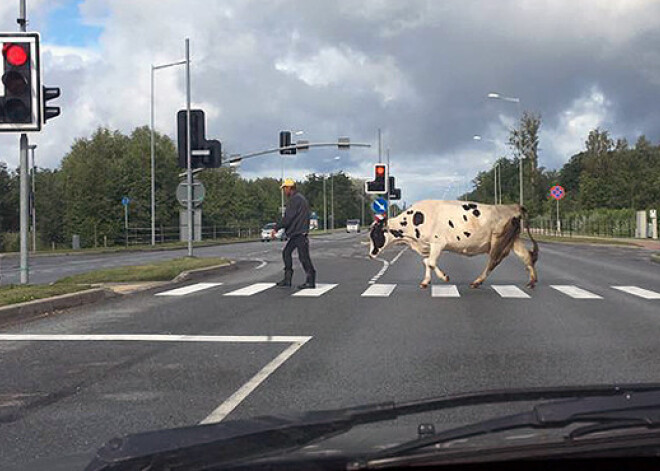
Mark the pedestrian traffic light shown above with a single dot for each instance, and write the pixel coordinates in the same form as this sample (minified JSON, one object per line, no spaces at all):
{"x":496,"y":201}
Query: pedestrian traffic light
{"x":379,"y":185}
{"x":47,"y":94}
{"x":21,"y":88}
{"x":394,"y":192}
{"x":203,"y":153}
{"x":285,"y":141}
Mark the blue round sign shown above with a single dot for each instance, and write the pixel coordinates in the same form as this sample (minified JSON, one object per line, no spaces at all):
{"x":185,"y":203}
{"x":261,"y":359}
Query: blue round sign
{"x":125,"y":200}
{"x":380,"y":206}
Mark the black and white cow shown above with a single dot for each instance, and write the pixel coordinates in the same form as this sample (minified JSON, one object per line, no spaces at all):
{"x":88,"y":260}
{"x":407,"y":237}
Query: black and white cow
{"x":463,"y":227}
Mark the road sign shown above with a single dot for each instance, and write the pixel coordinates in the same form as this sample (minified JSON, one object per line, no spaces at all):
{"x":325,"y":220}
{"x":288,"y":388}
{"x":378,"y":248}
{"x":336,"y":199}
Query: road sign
{"x":557,"y":192}
{"x":125,"y":200}
{"x":199,"y":192}
{"x":380,"y":206}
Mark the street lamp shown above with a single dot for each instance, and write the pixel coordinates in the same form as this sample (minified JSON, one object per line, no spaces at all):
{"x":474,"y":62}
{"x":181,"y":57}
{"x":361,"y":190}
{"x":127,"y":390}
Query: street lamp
{"x":497,"y":184}
{"x":332,"y":196}
{"x":154,"y":68}
{"x":515,"y":100}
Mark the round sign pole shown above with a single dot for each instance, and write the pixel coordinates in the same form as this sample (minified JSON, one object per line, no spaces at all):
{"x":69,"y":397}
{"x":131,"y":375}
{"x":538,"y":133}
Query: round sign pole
{"x":558,"y":221}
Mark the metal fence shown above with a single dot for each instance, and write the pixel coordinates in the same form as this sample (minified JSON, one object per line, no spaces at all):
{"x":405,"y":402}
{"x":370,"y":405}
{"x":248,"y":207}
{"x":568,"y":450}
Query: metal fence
{"x":583,"y":227}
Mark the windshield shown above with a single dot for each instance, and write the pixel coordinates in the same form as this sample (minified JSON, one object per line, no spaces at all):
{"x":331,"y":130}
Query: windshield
{"x":214,"y":211}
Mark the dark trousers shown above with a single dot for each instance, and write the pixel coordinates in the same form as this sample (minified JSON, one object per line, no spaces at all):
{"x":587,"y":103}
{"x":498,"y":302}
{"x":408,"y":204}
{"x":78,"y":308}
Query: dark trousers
{"x":300,"y":242}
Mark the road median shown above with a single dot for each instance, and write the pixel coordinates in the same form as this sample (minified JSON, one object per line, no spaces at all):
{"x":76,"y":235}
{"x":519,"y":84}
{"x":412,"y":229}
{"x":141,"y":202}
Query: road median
{"x":25,"y":303}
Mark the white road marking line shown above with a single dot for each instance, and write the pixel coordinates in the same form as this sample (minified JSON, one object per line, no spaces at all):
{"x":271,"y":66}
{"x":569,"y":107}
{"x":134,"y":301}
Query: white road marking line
{"x":378,"y":291}
{"x":636,"y":291}
{"x":575,"y":292}
{"x":444,"y":291}
{"x":235,"y":399}
{"x":188,"y":289}
{"x":250,"y":290}
{"x":261,"y":265}
{"x":152,"y":338}
{"x":386,"y":265}
{"x":320,"y":289}
{"x":510,"y":291}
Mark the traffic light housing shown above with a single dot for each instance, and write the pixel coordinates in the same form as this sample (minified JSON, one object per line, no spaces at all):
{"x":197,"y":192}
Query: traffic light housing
{"x":20,"y":90}
{"x":394,"y":192}
{"x":204,"y":153}
{"x":380,"y":183}
{"x":285,"y":141}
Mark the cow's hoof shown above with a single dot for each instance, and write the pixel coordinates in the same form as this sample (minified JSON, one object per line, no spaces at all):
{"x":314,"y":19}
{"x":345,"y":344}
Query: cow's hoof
{"x":446,"y":279}
{"x":475,"y":285}
{"x":423,"y":285}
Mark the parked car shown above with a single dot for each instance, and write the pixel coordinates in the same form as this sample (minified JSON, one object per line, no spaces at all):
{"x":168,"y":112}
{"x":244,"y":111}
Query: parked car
{"x":353,"y":225}
{"x":268,"y":229}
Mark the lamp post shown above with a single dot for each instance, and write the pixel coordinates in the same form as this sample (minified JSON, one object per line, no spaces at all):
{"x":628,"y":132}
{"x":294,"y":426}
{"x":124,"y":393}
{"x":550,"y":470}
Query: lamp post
{"x":498,"y":96}
{"x":154,"y":68}
{"x":497,"y":186}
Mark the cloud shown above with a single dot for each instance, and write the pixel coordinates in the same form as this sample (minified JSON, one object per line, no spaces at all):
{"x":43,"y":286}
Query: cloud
{"x":418,"y":69}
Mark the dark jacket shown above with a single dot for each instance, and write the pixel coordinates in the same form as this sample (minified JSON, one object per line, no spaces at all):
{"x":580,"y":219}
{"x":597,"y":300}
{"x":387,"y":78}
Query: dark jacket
{"x":296,"y":216}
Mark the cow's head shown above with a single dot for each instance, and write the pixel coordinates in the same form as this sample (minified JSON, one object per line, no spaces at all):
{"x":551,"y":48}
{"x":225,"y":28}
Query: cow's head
{"x":378,"y":237}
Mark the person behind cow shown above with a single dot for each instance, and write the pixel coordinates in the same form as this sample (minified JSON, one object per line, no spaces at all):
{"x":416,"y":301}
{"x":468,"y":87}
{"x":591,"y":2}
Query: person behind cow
{"x":296,"y":226}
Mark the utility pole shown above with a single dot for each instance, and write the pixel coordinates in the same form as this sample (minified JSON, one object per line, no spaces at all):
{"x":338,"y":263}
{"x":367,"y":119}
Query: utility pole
{"x":189,"y":178}
{"x":389,"y":212}
{"x":380,"y":145}
{"x":332,"y":200}
{"x":24,"y":210}
{"x":153,"y":164}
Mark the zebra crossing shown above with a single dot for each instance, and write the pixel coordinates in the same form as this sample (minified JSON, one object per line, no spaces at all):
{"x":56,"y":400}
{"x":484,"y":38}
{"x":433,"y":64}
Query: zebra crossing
{"x":378,"y":290}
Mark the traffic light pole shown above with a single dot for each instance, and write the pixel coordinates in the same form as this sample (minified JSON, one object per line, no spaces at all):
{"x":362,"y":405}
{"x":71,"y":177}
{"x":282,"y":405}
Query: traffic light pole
{"x":189,"y":177}
{"x":24,"y":183}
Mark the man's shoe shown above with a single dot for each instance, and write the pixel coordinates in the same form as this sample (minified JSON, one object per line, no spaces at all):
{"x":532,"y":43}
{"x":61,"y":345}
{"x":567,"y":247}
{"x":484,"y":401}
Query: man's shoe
{"x":307,"y":285}
{"x":286,"y":281}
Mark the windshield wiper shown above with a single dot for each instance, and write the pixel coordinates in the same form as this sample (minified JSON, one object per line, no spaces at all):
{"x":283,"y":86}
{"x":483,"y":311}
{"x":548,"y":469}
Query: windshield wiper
{"x":200,"y":446}
{"x":605,"y":413}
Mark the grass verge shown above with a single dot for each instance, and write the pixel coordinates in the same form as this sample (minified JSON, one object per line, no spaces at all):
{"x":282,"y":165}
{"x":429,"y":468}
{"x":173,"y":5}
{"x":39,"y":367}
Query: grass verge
{"x":580,"y":240}
{"x":13,"y":294}
{"x":159,"y":271}
{"x":656,"y":257}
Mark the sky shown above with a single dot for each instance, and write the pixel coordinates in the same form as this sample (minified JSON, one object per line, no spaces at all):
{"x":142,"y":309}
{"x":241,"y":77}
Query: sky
{"x":420,"y":70}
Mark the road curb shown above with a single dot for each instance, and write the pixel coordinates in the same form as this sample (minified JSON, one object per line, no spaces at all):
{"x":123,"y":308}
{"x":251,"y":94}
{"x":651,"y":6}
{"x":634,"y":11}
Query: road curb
{"x":655,"y":257}
{"x":40,"y":307}
{"x":200,"y":272}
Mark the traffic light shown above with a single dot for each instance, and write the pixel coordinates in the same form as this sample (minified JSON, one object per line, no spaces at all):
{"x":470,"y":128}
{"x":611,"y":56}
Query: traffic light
{"x":204,"y":153}
{"x":21,"y":88}
{"x":285,"y":141}
{"x":380,"y":183}
{"x":394,"y":192}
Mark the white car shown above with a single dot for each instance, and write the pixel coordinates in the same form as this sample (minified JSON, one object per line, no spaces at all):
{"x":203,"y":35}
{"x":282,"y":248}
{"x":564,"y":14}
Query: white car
{"x":353,"y":225}
{"x":268,"y":229}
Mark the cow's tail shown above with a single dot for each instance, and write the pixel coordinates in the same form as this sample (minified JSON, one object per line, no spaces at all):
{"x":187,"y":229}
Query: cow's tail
{"x":510,"y":232}
{"x":535,"y":250}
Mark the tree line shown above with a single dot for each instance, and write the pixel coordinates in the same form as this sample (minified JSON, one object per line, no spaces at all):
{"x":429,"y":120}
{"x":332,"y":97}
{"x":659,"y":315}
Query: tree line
{"x":83,"y":195}
{"x":607,"y":174}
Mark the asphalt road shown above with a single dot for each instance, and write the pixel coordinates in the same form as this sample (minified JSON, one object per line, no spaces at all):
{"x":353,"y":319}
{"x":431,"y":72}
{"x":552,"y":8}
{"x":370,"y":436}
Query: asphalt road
{"x":74,"y":380}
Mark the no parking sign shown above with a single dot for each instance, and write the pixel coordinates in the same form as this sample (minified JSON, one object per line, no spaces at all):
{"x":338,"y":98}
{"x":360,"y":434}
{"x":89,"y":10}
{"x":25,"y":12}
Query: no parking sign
{"x":557,"y":192}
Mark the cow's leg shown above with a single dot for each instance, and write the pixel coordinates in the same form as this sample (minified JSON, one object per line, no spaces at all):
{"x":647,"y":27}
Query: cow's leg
{"x":430,"y":264}
{"x":495,"y":256}
{"x":521,"y":251}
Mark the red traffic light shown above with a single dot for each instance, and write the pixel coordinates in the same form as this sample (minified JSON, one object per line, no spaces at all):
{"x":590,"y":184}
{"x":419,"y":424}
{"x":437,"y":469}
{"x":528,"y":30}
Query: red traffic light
{"x":15,"y":54}
{"x":380,"y":170}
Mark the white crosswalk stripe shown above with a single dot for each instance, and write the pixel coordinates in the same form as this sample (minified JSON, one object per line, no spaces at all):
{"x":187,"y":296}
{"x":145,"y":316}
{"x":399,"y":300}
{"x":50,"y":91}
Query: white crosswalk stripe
{"x":250,"y":290}
{"x":378,"y":291}
{"x":188,"y":289}
{"x":321,"y":288}
{"x":575,"y":292}
{"x":444,"y":291}
{"x":636,"y":291}
{"x":510,"y":291}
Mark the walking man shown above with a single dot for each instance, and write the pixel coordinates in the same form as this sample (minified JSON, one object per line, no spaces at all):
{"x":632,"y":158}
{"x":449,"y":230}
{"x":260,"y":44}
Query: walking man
{"x":296,"y":226}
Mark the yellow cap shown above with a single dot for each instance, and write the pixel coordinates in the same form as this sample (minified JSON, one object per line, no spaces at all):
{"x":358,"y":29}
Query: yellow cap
{"x":288,"y":182}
